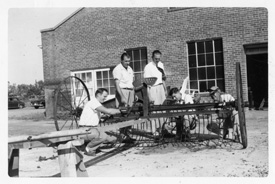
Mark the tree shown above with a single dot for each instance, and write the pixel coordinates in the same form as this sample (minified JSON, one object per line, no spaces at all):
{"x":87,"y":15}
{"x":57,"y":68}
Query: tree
{"x":25,"y":90}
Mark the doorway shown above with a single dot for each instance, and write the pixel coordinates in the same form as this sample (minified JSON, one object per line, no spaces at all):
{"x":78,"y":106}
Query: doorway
{"x":257,"y":76}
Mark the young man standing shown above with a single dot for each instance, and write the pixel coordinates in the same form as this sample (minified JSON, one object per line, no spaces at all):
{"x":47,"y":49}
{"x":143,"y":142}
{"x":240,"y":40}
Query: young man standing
{"x":90,"y":118}
{"x":124,"y":77}
{"x":157,"y":92}
{"x":125,"y":94}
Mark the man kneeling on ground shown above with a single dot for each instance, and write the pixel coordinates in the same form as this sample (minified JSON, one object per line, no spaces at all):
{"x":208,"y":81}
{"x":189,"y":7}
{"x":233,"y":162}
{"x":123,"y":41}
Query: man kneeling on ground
{"x":90,"y":118}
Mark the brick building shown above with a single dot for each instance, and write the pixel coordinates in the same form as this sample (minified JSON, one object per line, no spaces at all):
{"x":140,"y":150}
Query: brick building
{"x":202,"y":43}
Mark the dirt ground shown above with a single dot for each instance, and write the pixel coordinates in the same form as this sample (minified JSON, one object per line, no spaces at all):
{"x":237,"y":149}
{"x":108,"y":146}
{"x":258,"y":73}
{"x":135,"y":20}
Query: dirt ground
{"x":172,"y":160}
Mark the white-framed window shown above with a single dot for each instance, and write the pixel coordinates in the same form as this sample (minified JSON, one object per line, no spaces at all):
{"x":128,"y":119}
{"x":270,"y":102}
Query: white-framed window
{"x":205,"y":64}
{"x":94,"y":79}
{"x":139,"y":61}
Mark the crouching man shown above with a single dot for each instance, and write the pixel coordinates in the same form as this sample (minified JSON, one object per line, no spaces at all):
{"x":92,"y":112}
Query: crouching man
{"x":90,"y":118}
{"x":231,"y":119}
{"x":187,"y":121}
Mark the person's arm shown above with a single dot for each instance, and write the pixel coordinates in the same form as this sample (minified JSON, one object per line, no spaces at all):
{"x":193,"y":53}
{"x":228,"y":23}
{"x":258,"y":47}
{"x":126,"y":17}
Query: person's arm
{"x":123,"y":98}
{"x":110,"y":111}
{"x":165,"y":89}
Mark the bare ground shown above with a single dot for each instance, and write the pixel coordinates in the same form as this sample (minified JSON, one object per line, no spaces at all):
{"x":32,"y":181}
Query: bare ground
{"x":177,"y":160}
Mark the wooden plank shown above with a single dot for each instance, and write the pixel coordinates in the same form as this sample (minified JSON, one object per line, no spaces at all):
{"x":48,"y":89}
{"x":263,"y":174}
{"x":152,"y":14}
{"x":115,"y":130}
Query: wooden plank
{"x":50,"y":135}
{"x":13,"y":167}
{"x":71,"y":161}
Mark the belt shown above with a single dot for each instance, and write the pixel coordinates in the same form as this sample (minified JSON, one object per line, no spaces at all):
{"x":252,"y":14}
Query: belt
{"x":128,"y":89}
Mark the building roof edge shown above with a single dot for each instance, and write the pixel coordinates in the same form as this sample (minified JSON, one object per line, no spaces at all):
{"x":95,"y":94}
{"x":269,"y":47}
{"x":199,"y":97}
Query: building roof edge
{"x":62,"y":22}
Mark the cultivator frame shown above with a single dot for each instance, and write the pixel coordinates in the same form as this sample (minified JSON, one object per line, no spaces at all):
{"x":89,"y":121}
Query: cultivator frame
{"x":162,"y":123}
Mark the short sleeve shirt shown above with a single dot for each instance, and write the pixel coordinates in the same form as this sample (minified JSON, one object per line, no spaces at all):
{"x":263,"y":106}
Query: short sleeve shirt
{"x":125,"y":76}
{"x":151,"y":70}
{"x":227,"y":98}
{"x":90,"y":116}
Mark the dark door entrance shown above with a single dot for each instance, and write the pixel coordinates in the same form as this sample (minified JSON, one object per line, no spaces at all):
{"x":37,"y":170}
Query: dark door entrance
{"x":257,"y":75}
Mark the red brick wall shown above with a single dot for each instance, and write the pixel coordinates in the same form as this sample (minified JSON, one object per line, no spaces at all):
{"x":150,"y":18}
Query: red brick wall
{"x":96,"y":37}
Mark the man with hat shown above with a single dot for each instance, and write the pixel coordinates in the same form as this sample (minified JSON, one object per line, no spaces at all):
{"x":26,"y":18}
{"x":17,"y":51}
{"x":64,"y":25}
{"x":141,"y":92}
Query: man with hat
{"x":218,"y":96}
{"x":231,"y":119}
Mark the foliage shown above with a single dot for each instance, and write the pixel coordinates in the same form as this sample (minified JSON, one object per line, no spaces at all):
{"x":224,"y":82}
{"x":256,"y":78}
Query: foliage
{"x":26,"y":91}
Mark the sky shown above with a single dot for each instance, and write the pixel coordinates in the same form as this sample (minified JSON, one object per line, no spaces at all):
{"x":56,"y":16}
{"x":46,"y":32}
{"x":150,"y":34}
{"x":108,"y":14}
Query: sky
{"x":25,"y":63}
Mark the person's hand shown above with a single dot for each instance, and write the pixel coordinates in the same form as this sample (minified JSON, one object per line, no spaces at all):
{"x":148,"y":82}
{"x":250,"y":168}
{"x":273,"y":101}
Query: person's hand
{"x":136,"y":98}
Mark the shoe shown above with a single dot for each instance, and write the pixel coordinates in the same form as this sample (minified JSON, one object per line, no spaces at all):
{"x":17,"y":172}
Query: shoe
{"x":90,"y":153}
{"x":129,"y":140}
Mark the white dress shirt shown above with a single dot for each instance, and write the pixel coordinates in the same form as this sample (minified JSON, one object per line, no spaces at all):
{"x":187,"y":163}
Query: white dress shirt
{"x":151,"y":70}
{"x":125,"y":76}
{"x":227,"y":98}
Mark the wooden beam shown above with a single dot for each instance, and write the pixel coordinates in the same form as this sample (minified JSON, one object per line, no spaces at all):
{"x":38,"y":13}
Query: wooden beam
{"x":13,"y":168}
{"x":71,"y":160}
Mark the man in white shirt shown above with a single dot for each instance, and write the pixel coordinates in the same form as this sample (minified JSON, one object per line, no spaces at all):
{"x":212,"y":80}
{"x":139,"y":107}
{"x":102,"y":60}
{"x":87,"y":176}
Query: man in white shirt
{"x":181,"y":96}
{"x":230,"y":122}
{"x":90,"y":117}
{"x":125,"y":94}
{"x":157,"y":93}
{"x":124,"y":77}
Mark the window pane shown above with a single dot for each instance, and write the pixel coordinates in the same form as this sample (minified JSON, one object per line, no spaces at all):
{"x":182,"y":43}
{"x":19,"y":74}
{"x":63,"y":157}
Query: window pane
{"x":99,"y":83}
{"x":111,"y":74}
{"x":83,"y":77}
{"x":193,"y":74}
{"x":191,"y":48}
{"x":218,"y":45}
{"x":105,"y":74}
{"x":79,"y":92}
{"x":132,"y":65}
{"x":210,"y":72}
{"x":219,"y":72}
{"x":138,"y":78}
{"x":129,"y":52}
{"x":143,"y":64}
{"x":201,"y":60}
{"x":192,"y":61}
{"x":78,"y":85}
{"x":136,"y":55}
{"x":210,"y":84}
{"x":112,"y":90}
{"x":112,"y":82}
{"x":137,"y":66}
{"x":77,"y":75}
{"x":144,"y":54}
{"x":98,"y":75}
{"x":219,"y":58}
{"x":89,"y":84}
{"x":209,"y":59}
{"x":200,"y":46}
{"x":105,"y":82}
{"x":203,"y":87}
{"x":89,"y":76}
{"x":220,"y":84}
{"x":202,"y":73}
{"x":193,"y":85}
{"x":209,"y":46}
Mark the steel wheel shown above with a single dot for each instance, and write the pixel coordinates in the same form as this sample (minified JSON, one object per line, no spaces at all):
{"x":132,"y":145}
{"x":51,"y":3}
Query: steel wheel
{"x":240,"y":105}
{"x":70,"y":98}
